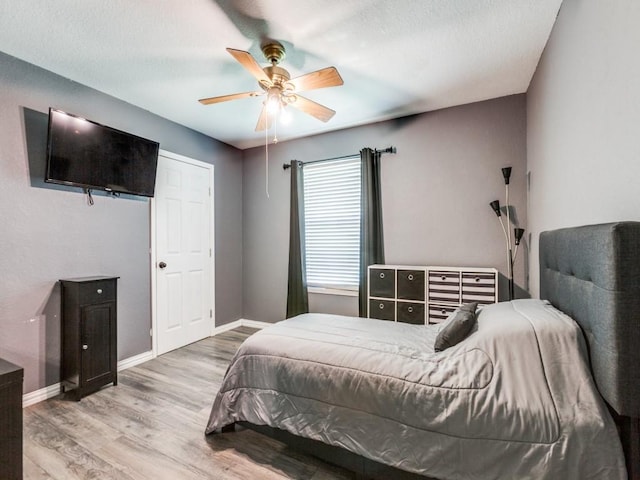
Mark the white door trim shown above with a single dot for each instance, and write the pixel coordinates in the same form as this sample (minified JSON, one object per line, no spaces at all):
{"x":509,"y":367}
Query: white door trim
{"x":154,"y":260}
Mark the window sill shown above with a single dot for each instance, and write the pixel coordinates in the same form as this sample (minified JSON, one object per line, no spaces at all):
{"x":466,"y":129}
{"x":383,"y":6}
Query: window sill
{"x":333,"y":291}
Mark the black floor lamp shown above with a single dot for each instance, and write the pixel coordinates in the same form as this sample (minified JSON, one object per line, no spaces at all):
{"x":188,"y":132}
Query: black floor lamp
{"x":517,"y":232}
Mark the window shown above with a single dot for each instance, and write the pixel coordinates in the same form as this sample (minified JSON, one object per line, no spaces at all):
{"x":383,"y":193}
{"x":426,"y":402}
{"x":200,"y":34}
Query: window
{"x":332,"y":223}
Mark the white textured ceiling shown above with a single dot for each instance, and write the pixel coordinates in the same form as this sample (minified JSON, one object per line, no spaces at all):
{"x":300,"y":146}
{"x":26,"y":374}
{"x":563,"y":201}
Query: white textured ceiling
{"x":397,"y":57}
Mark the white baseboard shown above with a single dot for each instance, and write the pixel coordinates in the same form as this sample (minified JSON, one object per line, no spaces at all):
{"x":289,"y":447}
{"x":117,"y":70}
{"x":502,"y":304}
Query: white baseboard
{"x":135,"y":360}
{"x":242,"y":322}
{"x":54,"y":390}
{"x":254,"y":323}
{"x":226,"y":327}
{"x":41,"y":394}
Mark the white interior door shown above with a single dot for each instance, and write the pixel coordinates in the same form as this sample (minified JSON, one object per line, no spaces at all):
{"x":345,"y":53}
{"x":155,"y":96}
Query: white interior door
{"x":183,"y":211}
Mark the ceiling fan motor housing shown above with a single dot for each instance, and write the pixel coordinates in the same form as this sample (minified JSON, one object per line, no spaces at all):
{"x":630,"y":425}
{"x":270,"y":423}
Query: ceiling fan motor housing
{"x":273,"y":52}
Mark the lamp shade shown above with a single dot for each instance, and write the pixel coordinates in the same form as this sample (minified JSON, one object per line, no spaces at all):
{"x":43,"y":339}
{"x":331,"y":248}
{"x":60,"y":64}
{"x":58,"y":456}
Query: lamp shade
{"x":506,"y":173}
{"x":496,"y":207}
{"x":518,"y":233}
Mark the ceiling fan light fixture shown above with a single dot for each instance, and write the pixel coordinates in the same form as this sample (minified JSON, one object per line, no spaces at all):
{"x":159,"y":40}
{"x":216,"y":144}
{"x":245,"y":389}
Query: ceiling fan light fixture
{"x":273,"y":101}
{"x":285,"y":116}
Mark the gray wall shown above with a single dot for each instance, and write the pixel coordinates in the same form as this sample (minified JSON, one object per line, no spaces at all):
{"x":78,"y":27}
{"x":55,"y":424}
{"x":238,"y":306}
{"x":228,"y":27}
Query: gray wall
{"x":435,"y":191}
{"x":583,"y":118}
{"x":49,"y":233}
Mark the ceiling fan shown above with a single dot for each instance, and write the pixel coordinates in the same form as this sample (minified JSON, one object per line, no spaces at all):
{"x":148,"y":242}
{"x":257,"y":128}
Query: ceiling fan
{"x":280,"y":88}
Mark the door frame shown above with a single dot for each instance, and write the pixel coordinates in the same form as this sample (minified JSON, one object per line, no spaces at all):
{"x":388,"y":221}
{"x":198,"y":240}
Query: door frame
{"x":154,"y":252}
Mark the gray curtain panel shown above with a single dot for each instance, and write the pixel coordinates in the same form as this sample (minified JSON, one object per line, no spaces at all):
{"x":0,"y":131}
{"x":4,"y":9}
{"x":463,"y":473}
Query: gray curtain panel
{"x":371,"y":237}
{"x":297,"y":296}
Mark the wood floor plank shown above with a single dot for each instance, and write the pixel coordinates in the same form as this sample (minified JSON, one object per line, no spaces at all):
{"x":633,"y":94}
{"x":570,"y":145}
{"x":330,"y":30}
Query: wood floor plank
{"x":81,"y":427}
{"x":151,"y":426}
{"x":143,"y":462}
{"x":33,"y":471}
{"x":62,"y":457}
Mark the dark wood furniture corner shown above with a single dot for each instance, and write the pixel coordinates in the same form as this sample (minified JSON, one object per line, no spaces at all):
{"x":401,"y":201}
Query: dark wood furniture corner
{"x":11,"y":377}
{"x":89,"y":334}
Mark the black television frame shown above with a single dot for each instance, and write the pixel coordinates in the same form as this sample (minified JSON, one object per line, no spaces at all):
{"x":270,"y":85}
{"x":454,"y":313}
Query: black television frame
{"x":103,"y":186}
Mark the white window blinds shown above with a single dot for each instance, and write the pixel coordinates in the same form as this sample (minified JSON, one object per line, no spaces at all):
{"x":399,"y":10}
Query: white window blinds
{"x":332,"y":222}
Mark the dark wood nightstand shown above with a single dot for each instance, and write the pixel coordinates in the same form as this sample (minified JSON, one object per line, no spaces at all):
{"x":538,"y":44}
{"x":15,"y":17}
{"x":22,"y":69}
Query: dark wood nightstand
{"x":89,"y":334}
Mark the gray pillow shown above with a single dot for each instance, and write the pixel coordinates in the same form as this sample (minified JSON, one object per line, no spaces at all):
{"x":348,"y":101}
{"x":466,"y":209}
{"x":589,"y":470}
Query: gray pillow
{"x":469,"y":307}
{"x":457,"y":327}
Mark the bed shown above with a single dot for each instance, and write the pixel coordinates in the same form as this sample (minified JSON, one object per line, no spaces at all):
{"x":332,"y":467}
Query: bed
{"x":516,"y":399}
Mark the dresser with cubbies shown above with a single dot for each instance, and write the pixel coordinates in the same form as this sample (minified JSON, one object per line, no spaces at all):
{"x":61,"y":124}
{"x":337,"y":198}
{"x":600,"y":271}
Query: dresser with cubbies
{"x":427,"y":294}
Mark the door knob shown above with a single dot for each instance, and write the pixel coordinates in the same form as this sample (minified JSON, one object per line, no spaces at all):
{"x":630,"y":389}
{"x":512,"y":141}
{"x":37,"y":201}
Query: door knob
{"x":85,"y":347}
{"x":162,"y":265}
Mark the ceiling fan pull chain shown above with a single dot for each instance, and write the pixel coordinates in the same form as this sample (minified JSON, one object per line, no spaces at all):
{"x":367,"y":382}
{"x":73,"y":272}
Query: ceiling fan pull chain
{"x":266,"y":162}
{"x":275,"y":126}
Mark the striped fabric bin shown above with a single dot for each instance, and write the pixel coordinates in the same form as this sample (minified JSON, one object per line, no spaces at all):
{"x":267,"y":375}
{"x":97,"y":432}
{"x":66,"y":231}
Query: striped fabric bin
{"x":444,"y":286}
{"x":439,"y":313}
{"x":478,"y":287}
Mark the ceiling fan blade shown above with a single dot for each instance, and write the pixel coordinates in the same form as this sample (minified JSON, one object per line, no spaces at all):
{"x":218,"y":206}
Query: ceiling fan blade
{"x":327,"y":77}
{"x":312,"y":108}
{"x":226,"y":98}
{"x":249,"y":63}
{"x":264,"y":120}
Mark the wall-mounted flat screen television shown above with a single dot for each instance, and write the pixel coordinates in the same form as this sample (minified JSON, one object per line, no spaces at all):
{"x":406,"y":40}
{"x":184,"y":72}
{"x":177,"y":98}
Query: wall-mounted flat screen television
{"x":86,"y":154}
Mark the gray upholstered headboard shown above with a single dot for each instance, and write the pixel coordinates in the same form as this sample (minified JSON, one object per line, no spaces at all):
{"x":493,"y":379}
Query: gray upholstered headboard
{"x":592,"y":273}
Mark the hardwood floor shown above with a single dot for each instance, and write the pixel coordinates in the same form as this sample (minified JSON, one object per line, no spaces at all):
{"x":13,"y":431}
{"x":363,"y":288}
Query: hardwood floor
{"x":151,"y":426}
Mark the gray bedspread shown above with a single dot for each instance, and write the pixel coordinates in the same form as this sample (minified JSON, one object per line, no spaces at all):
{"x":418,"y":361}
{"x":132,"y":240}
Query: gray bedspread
{"x":514,"y":400}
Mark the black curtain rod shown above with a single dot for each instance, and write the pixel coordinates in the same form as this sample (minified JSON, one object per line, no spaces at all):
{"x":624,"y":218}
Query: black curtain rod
{"x":385,"y":150}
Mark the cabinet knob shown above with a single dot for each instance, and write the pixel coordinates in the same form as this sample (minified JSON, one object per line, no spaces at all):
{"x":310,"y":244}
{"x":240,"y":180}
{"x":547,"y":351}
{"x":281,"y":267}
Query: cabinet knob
{"x":381,"y":274}
{"x":410,"y":276}
{"x":444,"y":312}
{"x":410,"y":309}
{"x":162,"y":265}
{"x":85,"y":347}
{"x":443,"y":278}
{"x":477,"y":279}
{"x":381,"y":306}
{"x":99,"y":291}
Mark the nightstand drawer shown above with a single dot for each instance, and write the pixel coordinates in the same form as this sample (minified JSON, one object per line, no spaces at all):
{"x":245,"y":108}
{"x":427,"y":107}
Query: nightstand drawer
{"x":97,"y":292}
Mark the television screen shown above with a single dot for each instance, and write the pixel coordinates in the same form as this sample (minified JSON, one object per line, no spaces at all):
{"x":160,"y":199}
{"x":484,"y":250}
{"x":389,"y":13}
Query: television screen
{"x":86,"y":154}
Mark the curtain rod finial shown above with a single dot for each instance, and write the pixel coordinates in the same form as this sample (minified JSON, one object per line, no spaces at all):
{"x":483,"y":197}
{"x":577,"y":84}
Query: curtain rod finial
{"x":385,"y":150}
